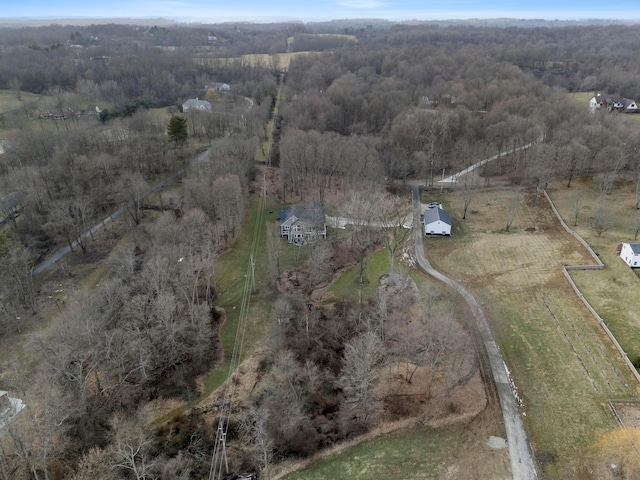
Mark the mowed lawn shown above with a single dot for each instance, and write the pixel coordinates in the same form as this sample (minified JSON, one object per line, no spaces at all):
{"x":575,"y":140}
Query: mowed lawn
{"x":564,"y":366}
{"x":415,"y":454}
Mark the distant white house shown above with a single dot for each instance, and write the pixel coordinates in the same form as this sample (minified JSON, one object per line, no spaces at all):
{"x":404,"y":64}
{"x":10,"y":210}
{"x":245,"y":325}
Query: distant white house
{"x":195,"y":105}
{"x":221,"y":87}
{"x":613,"y":103}
{"x":302,"y":224}
{"x":437,"y":221}
{"x":630,"y":253}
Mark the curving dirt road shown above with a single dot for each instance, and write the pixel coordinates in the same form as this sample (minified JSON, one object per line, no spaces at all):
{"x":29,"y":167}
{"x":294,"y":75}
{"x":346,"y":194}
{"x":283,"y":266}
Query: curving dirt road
{"x":522,"y":464}
{"x":454,"y":178}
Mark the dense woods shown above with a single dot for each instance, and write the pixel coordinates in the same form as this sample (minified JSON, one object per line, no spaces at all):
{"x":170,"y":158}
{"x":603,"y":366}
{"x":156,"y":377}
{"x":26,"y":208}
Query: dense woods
{"x":372,"y":107}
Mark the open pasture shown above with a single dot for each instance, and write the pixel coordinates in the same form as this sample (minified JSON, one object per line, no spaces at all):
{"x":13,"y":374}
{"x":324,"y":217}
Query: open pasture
{"x":612,"y":291}
{"x":278,"y":60}
{"x":564,"y":366}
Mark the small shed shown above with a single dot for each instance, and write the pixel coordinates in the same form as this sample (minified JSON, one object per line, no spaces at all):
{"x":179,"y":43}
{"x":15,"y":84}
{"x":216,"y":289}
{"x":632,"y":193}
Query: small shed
{"x":630,"y":253}
{"x":437,"y":221}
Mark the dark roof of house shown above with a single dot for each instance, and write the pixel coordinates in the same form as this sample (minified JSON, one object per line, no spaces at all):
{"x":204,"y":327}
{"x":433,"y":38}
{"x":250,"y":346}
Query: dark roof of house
{"x":608,"y":98}
{"x":311,"y":213}
{"x":434,"y":214}
{"x":635,"y":248}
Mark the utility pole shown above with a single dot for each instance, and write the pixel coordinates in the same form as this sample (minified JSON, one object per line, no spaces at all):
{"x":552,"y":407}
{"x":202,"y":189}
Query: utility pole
{"x":219,"y":454}
{"x":253,"y":274}
{"x":264,"y":189}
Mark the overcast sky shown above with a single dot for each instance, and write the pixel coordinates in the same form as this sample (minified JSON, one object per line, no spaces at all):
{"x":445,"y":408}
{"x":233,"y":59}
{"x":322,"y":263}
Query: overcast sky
{"x":214,"y":11}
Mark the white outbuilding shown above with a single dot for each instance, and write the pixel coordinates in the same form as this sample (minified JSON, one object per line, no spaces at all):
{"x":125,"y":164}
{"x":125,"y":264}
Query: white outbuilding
{"x":437,"y":221}
{"x":630,"y":253}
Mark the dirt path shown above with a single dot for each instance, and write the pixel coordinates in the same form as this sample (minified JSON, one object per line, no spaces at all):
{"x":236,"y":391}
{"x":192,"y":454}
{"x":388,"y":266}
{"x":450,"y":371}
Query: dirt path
{"x":454,"y":178}
{"x":522,"y":464}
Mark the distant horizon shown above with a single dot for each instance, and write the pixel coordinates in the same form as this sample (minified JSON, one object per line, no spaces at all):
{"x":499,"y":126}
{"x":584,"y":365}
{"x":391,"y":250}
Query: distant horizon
{"x":254,"y":11}
{"x":167,"y":22}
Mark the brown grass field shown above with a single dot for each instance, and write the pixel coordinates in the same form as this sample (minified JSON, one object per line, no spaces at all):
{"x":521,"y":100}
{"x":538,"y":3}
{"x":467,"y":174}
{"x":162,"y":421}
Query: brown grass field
{"x":282,"y":59}
{"x":564,"y":365}
{"x":609,"y":290}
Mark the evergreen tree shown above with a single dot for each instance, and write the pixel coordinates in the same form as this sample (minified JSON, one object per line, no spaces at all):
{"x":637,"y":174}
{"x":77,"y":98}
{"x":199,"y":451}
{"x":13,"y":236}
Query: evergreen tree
{"x":177,"y":130}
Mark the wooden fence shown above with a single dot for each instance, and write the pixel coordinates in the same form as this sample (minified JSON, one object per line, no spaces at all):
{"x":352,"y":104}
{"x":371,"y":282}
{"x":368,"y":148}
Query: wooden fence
{"x":599,"y":266}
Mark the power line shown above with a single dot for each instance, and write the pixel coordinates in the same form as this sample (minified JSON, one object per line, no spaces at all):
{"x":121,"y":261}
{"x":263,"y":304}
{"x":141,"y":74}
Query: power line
{"x":219,"y":460}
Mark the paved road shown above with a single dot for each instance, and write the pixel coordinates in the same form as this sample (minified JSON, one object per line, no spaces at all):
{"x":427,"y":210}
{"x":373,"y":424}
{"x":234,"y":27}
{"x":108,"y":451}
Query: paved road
{"x":522,"y":464}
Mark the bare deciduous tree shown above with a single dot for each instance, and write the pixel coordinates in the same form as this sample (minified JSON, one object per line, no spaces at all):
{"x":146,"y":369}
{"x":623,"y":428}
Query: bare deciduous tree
{"x":393,"y":213}
{"x":132,"y":190}
{"x":634,"y":222}
{"x":601,"y":220}
{"x":469,"y":189}
{"x":69,"y":221}
{"x":254,"y":424}
{"x":360,"y":210}
{"x":319,"y":264}
{"x":577,"y":206}
{"x":282,"y":310}
{"x":362,"y":356}
{"x":513,"y":204}
{"x":132,"y":447}
{"x":228,"y":203}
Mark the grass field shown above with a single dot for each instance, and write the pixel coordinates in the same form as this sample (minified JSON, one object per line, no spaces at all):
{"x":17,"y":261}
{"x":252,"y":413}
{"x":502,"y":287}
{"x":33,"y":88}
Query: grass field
{"x":416,"y":454}
{"x":9,"y":100}
{"x":347,"y":285}
{"x":459,"y":451}
{"x":279,"y":60}
{"x":565,"y":367}
{"x":11,"y":107}
{"x":607,"y":290}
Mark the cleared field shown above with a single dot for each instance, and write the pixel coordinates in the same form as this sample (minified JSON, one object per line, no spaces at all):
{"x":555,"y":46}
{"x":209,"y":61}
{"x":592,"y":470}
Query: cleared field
{"x":581,"y":98}
{"x":12,"y":108}
{"x":610,"y":290}
{"x":564,"y":366}
{"x":9,"y":100}
{"x":458,"y":452}
{"x":279,"y":60}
